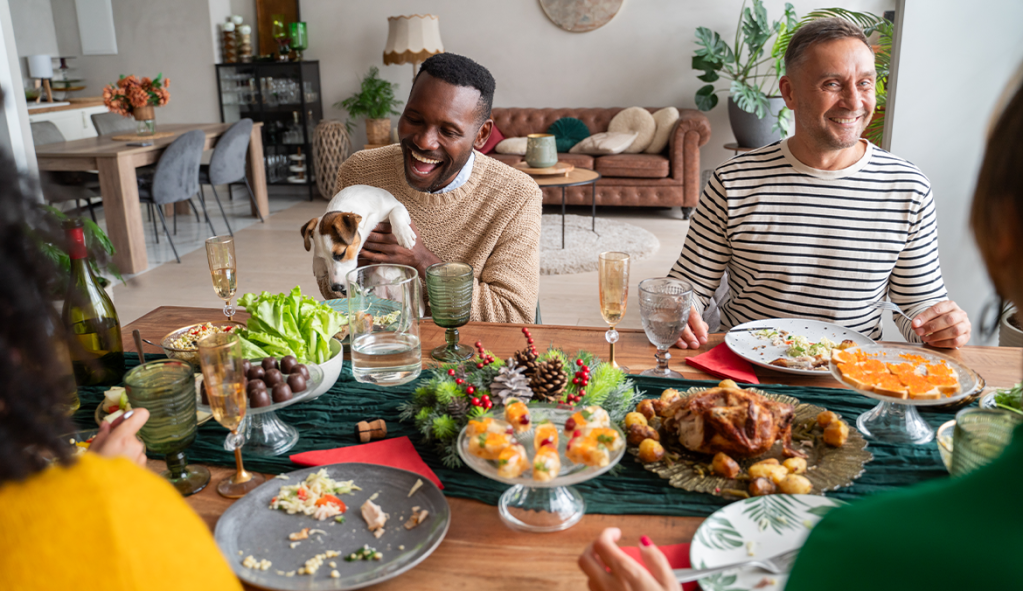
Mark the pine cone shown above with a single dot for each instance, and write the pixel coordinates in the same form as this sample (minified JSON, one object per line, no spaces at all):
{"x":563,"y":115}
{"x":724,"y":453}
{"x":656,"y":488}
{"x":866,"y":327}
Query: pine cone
{"x":457,"y":408}
{"x":509,"y":382}
{"x":526,"y":359}
{"x":549,"y":381}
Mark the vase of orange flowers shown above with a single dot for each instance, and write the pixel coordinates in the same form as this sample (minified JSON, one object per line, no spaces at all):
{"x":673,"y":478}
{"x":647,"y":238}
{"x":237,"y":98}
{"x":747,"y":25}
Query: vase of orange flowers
{"x":130,"y":96}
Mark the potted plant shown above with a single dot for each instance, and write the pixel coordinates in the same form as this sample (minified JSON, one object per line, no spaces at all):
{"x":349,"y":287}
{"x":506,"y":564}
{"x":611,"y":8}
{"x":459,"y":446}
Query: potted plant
{"x":375,"y":101}
{"x":138,"y":98}
{"x":755,"y":110}
{"x":97,"y":244}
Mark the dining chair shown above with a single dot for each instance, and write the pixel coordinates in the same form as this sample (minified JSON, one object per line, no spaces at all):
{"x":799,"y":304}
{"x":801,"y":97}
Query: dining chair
{"x":176,"y":179}
{"x":65,"y":185}
{"x":227,"y":165}
{"x":111,"y":123}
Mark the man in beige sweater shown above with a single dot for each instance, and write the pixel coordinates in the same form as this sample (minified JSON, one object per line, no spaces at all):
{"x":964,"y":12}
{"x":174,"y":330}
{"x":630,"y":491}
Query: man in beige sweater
{"x":464,"y":206}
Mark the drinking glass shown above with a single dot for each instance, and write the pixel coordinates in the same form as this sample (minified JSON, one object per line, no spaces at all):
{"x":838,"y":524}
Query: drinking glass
{"x":166,"y":388}
{"x":614,"y":294}
{"x":449,"y":287}
{"x":221,"y":358}
{"x":220,"y":253}
{"x":980,"y":436}
{"x":664,"y":308}
{"x":384,"y":304}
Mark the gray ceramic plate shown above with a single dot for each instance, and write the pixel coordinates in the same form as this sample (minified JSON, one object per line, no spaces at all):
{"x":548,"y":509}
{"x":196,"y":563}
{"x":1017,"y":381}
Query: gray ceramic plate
{"x":250,"y":527}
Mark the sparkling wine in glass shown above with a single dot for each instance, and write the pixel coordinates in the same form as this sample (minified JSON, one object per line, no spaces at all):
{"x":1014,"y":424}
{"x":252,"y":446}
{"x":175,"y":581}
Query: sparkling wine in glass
{"x":223,"y":266}
{"x":224,"y":376}
{"x":614,"y":295}
{"x":664,"y":308}
{"x":449,"y":288}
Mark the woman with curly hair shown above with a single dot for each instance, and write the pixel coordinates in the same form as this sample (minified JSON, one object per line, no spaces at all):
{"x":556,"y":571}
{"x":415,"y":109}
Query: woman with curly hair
{"x":99,"y":519}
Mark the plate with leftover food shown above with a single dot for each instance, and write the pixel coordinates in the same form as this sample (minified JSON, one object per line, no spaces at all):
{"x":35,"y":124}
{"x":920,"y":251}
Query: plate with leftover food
{"x":737,"y":443}
{"x":755,"y":528}
{"x":907,"y":375}
{"x":342,"y":526}
{"x":381,"y":311}
{"x":791,"y":345}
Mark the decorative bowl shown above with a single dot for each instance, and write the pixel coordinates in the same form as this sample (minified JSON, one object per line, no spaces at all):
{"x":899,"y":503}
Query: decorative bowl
{"x":190,"y":354}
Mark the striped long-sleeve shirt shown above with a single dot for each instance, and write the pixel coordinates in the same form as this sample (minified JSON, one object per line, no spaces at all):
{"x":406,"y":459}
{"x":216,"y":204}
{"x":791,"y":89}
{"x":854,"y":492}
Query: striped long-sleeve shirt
{"x":804,"y":243}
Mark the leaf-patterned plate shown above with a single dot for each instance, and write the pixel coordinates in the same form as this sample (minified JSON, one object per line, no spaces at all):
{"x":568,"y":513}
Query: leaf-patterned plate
{"x":759,"y":527}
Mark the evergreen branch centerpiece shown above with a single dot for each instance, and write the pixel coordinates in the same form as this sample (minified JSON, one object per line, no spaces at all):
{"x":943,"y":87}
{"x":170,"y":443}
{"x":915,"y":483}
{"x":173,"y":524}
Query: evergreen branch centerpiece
{"x":480,"y":387}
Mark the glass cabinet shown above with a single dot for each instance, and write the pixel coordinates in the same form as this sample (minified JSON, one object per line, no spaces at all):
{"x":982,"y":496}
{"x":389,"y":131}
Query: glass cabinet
{"x":285,"y":97}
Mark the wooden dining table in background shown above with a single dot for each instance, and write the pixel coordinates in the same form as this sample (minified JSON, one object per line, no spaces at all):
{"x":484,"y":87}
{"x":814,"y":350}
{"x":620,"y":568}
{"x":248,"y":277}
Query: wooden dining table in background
{"x":116,"y":162}
{"x":478,"y":540}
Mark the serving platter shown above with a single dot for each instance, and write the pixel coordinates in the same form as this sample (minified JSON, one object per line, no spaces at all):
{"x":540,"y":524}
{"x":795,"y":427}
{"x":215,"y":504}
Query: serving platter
{"x":761,"y":352}
{"x":250,"y":528}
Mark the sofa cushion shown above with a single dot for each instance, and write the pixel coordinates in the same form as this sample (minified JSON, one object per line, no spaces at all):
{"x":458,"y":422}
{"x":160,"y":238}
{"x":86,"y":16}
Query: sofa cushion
{"x":665,"y":120}
{"x":637,"y":166}
{"x":638,"y":120}
{"x":495,"y":138}
{"x":576,"y":160}
{"x":567,"y":132}
{"x":512,"y":145}
{"x":509,"y":159}
{"x":604,"y":143}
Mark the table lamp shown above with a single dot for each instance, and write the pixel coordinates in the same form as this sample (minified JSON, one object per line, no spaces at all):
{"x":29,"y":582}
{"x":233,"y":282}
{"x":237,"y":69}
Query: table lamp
{"x":412,"y":39}
{"x":40,"y":67}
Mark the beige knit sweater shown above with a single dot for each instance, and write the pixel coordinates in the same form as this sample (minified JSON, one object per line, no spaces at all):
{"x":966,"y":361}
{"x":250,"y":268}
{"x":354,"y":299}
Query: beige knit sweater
{"x":492,"y":222}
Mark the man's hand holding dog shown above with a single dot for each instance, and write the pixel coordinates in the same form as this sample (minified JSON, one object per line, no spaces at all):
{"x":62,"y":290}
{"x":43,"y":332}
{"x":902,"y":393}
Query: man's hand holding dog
{"x":381,"y":246}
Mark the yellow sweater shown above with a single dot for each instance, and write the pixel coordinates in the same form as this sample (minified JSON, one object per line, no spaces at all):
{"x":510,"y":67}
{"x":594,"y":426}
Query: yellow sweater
{"x":492,"y":222}
{"x":104,"y":524}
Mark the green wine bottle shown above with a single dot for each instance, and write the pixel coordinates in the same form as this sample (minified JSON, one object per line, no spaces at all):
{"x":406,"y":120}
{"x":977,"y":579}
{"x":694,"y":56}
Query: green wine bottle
{"x":94,"y":332}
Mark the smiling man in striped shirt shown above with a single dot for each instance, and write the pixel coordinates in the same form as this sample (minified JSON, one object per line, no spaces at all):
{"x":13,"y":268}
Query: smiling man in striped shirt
{"x":824,"y":223}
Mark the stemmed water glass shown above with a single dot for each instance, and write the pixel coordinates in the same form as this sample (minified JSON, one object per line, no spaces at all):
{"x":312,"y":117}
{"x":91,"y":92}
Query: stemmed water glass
{"x":223,"y":268}
{"x":614,"y":294}
{"x":664,"y":307}
{"x":449,"y":287}
{"x":224,"y":377}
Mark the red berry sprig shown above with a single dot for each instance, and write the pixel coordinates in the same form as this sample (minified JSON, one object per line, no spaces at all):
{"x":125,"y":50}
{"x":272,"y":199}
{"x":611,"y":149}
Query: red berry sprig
{"x":485,"y":358}
{"x":581,"y":379}
{"x":529,"y":340}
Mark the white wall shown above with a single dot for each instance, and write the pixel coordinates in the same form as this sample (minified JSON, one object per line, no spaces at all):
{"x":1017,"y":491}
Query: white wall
{"x":945,"y":88}
{"x":15,"y":133}
{"x":33,"y":27}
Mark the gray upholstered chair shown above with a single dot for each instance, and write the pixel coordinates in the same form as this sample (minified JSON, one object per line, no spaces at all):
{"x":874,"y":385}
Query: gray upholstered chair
{"x":227,"y":165}
{"x":111,"y":123}
{"x":63,"y":186}
{"x":175,"y":179}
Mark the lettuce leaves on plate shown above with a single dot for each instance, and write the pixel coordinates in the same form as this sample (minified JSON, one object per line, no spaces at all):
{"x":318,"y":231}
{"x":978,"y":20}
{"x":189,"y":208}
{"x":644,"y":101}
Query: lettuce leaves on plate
{"x":288,"y":324}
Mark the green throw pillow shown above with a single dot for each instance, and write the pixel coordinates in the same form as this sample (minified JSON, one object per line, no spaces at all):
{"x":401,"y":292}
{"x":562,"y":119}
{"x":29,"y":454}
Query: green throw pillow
{"x":567,"y":132}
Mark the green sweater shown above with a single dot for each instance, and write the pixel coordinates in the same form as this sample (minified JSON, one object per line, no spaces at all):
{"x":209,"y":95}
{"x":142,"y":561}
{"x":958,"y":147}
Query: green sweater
{"x":962,"y":533}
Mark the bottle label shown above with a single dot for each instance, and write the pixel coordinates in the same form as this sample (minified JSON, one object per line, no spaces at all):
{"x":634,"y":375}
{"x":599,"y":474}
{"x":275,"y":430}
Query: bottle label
{"x":76,"y":248}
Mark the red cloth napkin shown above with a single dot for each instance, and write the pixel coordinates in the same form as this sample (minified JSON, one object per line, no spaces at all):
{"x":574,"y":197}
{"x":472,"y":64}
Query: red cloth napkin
{"x":677,"y":555}
{"x":722,"y":363}
{"x":396,"y":453}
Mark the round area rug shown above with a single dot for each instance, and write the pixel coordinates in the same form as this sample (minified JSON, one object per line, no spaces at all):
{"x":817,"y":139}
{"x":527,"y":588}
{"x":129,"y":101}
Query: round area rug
{"x":583,"y":245}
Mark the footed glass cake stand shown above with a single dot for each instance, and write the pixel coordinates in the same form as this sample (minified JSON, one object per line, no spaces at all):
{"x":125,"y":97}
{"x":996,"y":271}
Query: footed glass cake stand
{"x":535,"y":506}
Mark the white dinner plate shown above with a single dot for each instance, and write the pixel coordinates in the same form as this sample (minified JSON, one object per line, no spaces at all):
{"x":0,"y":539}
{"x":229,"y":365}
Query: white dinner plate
{"x":762,"y":352}
{"x":758,"y":527}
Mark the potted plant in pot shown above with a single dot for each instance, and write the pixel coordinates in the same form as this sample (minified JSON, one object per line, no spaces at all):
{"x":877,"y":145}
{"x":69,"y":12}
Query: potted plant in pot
{"x":375,"y":101}
{"x":755,"y":110}
{"x":130,"y":96}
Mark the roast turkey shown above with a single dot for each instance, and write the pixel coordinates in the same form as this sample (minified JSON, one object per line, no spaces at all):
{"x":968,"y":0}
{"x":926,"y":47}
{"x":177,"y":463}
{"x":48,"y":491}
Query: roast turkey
{"x":740,"y":423}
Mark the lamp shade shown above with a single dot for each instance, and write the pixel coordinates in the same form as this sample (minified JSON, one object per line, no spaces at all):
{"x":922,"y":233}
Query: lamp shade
{"x":40,"y":66}
{"x":412,"y":39}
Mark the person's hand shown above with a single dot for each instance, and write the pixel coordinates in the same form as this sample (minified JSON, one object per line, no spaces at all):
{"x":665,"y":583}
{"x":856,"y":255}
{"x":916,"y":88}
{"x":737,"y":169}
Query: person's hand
{"x":695,"y":334}
{"x":121,"y":441}
{"x":381,"y":246}
{"x":625,"y":573}
{"x":943,"y":325}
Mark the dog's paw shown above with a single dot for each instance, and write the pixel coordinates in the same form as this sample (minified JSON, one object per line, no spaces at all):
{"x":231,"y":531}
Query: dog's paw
{"x":406,"y":237}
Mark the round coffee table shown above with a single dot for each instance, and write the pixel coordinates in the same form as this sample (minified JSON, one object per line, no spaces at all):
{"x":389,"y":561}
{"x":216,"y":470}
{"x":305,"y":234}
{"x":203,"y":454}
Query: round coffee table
{"x":578,"y":177}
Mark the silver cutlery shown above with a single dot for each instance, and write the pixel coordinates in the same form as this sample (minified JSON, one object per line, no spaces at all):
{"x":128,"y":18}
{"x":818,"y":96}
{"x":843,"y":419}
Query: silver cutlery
{"x":886,"y":305}
{"x":778,"y":565}
{"x":753,"y":328}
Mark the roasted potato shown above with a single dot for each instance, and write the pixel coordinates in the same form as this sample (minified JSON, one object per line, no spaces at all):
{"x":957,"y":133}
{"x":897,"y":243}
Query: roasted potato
{"x":759,"y":487}
{"x":670,"y":395}
{"x":794,"y":484}
{"x":826,"y":418}
{"x":646,"y":408}
{"x":795,"y":465}
{"x":635,"y":434}
{"x":635,"y":418}
{"x":650,"y":451}
{"x":728,"y":384}
{"x":836,"y":434}
{"x":723,"y":465}
{"x":775,"y":471}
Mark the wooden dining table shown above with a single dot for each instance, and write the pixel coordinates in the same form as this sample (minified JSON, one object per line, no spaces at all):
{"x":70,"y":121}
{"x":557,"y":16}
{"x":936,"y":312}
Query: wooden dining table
{"x":479,"y":551}
{"x":116,"y":162}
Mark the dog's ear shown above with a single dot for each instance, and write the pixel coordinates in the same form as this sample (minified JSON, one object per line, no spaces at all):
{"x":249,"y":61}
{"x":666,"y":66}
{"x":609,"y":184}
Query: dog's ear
{"x":307,"y":232}
{"x":342,"y":226}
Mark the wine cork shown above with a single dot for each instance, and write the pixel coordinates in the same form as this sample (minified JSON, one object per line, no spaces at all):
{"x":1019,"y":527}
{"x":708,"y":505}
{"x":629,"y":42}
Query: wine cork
{"x":369,"y":430}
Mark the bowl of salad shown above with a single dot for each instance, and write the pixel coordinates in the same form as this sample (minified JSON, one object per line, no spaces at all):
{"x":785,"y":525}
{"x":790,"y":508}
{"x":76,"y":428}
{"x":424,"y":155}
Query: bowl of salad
{"x":1008,"y":399}
{"x":183,"y":343}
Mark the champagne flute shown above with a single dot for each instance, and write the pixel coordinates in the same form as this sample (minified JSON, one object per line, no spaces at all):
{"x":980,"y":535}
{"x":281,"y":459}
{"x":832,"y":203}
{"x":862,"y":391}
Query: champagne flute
{"x":664,"y":307}
{"x":220,"y":254}
{"x":221,"y":358}
{"x":614,"y":294}
{"x":449,"y":287}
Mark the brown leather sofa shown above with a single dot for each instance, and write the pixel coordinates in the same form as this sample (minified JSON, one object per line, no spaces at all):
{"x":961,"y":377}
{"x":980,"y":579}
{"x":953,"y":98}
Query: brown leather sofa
{"x":668,"y":179}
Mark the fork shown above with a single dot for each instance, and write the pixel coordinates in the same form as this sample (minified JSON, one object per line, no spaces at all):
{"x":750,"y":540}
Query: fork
{"x":778,"y":565}
{"x":886,"y":305}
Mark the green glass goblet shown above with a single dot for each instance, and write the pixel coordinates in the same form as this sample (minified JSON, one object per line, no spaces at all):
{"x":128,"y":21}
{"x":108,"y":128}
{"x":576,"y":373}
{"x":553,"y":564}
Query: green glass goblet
{"x":166,"y":388}
{"x":449,"y":287}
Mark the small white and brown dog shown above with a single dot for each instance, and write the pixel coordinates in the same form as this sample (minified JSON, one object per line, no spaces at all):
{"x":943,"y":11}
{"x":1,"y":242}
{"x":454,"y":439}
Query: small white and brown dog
{"x":337,"y":236}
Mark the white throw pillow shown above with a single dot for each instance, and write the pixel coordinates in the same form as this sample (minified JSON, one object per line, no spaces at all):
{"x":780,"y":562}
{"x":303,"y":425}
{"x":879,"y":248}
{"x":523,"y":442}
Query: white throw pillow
{"x":512,"y":145}
{"x":665,"y":120}
{"x":605,"y":143}
{"x":634,"y":119}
